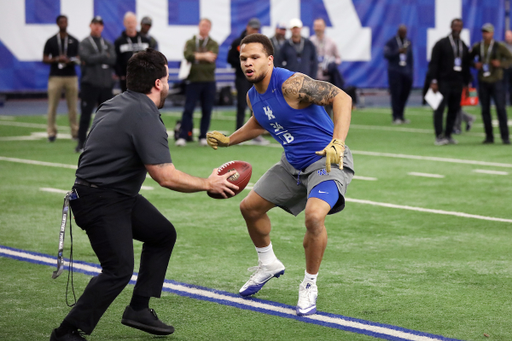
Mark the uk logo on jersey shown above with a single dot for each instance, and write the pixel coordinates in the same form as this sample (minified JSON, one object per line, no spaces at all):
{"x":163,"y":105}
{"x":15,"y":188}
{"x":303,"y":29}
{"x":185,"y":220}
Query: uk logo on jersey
{"x":268,"y":112}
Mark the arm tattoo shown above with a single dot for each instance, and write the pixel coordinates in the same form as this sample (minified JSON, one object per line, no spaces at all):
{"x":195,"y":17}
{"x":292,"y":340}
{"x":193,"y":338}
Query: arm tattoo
{"x":309,"y":90}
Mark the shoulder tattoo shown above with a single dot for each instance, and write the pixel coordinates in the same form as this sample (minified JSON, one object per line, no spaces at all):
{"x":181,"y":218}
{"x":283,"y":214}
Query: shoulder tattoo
{"x":309,"y":90}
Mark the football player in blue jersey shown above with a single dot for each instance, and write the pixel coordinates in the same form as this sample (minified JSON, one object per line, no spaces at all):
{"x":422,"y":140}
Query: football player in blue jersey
{"x":314,"y":171}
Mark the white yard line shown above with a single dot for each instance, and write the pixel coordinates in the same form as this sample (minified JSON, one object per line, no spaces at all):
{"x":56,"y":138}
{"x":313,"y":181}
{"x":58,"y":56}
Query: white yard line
{"x":31,"y":125}
{"x":428,"y":210}
{"x":433,"y":158}
{"x":484,"y":171}
{"x":426,"y":175}
{"x":38,"y":163}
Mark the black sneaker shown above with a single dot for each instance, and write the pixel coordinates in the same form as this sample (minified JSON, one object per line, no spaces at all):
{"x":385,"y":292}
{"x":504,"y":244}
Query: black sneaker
{"x":52,"y":138}
{"x":487,"y":141}
{"x":145,"y":320}
{"x":74,"y":335}
{"x":506,"y":141}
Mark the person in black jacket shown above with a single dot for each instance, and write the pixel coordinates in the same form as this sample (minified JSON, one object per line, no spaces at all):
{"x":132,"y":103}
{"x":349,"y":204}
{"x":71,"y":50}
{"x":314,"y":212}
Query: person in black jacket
{"x":241,"y":83}
{"x":398,"y":52}
{"x":98,"y":58}
{"x":298,"y":53}
{"x":449,"y":69}
{"x":126,"y":45}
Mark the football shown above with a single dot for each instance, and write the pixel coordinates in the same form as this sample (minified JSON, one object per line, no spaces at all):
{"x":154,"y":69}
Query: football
{"x":240,"y":178}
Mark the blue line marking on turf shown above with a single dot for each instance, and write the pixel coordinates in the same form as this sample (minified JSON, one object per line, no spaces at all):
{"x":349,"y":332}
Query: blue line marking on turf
{"x":43,"y":259}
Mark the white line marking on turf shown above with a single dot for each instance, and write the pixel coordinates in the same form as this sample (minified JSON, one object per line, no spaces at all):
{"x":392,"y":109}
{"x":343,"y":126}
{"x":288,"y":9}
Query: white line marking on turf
{"x":53,"y":190}
{"x":357,"y":177}
{"x":39,"y":163}
{"x":31,"y":125}
{"x":426,"y":175}
{"x":231,"y":300}
{"x":433,"y":158}
{"x":147,"y":188}
{"x":428,"y":210}
{"x":484,"y":171}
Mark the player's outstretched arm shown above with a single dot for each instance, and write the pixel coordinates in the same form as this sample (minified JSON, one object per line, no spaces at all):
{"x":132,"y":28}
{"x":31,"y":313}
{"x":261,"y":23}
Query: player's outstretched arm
{"x":251,"y":129}
{"x":169,"y":177}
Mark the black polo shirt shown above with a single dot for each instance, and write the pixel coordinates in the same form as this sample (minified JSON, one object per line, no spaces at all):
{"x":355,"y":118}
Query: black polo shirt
{"x":51,"y":48}
{"x":127,"y":133}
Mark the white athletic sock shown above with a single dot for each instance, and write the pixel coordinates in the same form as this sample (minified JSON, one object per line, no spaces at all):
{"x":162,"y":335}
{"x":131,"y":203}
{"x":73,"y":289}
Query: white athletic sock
{"x":266,"y":254}
{"x":310,"y":277}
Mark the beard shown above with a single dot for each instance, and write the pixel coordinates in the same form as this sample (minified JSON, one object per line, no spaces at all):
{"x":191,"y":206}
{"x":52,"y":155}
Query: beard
{"x":163,"y":97}
{"x":257,"y":79}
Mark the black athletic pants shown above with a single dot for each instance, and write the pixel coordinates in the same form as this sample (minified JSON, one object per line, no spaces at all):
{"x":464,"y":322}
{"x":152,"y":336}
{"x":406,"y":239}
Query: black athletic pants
{"x":400,"y":87}
{"x":111,"y":221}
{"x":195,"y":91}
{"x":91,"y":96}
{"x":451,"y":96}
{"x":242,"y":87}
{"x":494,"y":90}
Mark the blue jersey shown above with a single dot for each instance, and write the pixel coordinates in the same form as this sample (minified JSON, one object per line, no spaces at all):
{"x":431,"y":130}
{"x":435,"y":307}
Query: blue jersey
{"x":301,"y":132}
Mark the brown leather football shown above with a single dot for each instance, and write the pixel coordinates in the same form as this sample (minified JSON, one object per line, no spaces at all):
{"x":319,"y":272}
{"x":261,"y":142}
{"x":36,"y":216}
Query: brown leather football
{"x":240,"y":178}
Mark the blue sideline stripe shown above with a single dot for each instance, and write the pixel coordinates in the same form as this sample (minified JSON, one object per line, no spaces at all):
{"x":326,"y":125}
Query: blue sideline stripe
{"x":378,"y":330}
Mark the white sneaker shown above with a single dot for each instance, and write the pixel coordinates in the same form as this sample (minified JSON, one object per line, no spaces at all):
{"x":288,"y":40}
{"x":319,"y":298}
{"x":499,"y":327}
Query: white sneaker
{"x":180,"y":143}
{"x":260,"y":141}
{"x":308,"y":293}
{"x":262,"y":274}
{"x":202,"y":142}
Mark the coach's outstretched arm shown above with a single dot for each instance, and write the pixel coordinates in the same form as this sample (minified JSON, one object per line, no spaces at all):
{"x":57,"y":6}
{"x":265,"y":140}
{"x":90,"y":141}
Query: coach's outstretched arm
{"x":169,"y":177}
{"x":250,"y":130}
{"x":300,"y":91}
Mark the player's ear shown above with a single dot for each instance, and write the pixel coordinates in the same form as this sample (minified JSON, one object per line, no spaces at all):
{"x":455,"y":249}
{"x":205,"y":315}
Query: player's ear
{"x":270,"y":60}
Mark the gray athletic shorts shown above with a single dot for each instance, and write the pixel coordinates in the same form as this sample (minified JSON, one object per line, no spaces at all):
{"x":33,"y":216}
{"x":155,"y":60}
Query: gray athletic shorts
{"x":288,"y":188}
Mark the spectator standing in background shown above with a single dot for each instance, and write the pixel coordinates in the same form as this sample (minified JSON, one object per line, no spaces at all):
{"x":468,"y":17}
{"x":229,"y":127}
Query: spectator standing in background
{"x":241,"y":83}
{"x":98,"y":58}
{"x":126,"y":45}
{"x":398,"y":52}
{"x":298,"y":53}
{"x":279,"y":38}
{"x":449,"y":72}
{"x":202,"y":52}
{"x":326,"y":52}
{"x":507,"y":72}
{"x":489,"y":57}
{"x":60,"y":52}
{"x":145,"y":26}
{"x":328,"y":58}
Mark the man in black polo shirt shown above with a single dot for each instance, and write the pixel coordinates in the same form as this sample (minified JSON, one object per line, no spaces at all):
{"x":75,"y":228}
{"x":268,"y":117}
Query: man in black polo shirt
{"x":126,"y":45}
{"x":60,"y":52}
{"x":449,"y":69}
{"x":127,"y":140}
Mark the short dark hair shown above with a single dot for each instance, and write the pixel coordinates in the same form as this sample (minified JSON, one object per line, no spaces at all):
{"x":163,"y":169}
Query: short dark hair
{"x":144,"y":68}
{"x":455,"y":20}
{"x":60,"y":17}
{"x":259,"y":38}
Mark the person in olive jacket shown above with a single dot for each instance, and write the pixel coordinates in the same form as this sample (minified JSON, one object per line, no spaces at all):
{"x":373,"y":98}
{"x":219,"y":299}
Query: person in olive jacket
{"x":202,"y":52}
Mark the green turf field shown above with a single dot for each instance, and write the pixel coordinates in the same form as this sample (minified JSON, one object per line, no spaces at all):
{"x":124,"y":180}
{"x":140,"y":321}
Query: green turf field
{"x":428,"y":252}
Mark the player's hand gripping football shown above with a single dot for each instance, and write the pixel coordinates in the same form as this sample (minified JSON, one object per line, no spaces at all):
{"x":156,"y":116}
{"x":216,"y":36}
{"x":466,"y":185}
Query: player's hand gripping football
{"x":216,"y":139}
{"x":333,"y":154}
